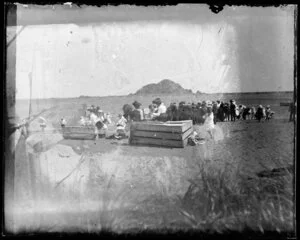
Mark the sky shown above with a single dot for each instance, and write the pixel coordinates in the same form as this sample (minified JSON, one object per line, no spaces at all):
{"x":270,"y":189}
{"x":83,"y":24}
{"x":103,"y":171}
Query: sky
{"x":117,"y":50}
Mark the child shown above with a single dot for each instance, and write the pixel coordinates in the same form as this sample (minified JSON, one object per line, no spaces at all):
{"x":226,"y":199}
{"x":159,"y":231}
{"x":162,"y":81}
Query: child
{"x":269,"y":113}
{"x":121,"y":124}
{"x":120,"y":131}
{"x":43,"y":123}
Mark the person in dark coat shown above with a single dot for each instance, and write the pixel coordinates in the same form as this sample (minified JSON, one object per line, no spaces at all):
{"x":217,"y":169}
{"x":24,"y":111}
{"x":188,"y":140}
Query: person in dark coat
{"x":259,"y":113}
{"x":226,"y":110}
{"x":172,"y":112}
{"x":232,"y":110}
{"x":185,"y":112}
{"x":220,"y":113}
{"x":246,"y":112}
{"x":127,"y":111}
{"x":215,"y":111}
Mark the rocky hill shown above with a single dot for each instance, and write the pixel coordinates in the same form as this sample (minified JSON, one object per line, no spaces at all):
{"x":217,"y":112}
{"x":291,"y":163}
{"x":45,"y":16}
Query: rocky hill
{"x":164,"y":87}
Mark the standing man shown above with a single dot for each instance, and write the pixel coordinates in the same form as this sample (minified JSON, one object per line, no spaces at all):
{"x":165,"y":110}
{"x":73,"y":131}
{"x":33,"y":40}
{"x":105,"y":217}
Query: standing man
{"x":215,"y":111}
{"x":292,"y":110}
{"x":260,"y":113}
{"x":232,"y":110}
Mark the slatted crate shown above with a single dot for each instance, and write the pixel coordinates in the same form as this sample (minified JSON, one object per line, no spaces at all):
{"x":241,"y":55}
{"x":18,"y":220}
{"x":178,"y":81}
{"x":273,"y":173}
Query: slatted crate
{"x":173,"y":134}
{"x":78,"y":132}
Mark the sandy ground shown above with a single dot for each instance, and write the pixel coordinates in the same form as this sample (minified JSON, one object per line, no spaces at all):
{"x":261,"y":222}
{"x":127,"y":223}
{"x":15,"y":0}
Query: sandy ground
{"x":74,"y":185}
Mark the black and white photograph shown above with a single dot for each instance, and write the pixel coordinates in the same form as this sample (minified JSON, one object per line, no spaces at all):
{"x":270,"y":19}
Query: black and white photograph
{"x":163,"y":118}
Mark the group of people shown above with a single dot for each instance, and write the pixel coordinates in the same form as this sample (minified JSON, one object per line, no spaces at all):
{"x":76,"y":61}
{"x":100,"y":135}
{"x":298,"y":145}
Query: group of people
{"x":222,"y":111}
{"x":232,"y":111}
{"x":155,"y":111}
{"x":205,"y":112}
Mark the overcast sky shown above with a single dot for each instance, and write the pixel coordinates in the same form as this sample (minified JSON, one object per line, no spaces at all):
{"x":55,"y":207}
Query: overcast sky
{"x":117,"y":50}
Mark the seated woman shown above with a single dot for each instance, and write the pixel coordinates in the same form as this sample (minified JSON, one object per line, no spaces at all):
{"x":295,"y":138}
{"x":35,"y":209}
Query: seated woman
{"x":161,"y":113}
{"x":121,"y":125}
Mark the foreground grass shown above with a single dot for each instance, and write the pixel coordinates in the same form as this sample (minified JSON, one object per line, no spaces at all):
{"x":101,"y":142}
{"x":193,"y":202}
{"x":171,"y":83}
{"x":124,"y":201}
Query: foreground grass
{"x":227,"y":199}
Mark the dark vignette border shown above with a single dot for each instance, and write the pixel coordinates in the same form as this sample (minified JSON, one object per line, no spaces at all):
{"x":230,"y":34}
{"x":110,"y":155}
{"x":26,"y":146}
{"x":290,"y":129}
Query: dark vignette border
{"x":10,"y":16}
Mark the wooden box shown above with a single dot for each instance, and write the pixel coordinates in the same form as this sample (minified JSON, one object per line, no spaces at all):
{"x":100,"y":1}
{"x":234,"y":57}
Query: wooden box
{"x":173,"y":134}
{"x":79,"y":132}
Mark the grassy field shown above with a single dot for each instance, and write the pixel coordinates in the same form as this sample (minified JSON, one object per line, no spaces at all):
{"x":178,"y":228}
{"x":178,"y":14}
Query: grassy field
{"x":212,"y":187}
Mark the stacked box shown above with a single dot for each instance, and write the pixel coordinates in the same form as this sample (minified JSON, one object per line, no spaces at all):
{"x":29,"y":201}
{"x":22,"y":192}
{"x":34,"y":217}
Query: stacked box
{"x":78,"y":132}
{"x":173,"y":134}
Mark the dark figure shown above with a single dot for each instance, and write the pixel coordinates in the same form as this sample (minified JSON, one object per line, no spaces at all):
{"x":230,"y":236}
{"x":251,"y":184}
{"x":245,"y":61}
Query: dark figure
{"x":246,"y":112}
{"x":215,"y":112}
{"x":127,"y":110}
{"x":185,"y":112}
{"x":203,"y":112}
{"x":292,"y":110}
{"x":220,"y":113}
{"x":232,"y":110}
{"x":137,"y":114}
{"x":226,"y":110}
{"x":163,"y":117}
{"x":172,"y":112}
{"x":259,"y":113}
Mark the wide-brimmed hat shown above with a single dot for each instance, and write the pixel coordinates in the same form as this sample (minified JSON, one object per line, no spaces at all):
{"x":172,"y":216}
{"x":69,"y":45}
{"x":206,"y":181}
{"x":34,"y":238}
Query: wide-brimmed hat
{"x":136,"y":104}
{"x":157,"y":101}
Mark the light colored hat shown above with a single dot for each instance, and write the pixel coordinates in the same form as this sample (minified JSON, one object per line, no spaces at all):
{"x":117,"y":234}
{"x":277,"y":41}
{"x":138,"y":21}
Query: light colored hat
{"x":260,"y":106}
{"x":268,"y":106}
{"x":100,"y":110}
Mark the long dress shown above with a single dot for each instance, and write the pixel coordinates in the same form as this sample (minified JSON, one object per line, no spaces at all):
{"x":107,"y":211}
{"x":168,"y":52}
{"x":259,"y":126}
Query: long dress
{"x":209,"y":122}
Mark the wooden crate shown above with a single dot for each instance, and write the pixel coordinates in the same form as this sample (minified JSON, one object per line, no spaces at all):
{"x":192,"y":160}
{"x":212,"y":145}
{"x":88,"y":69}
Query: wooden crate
{"x":173,"y":134}
{"x":79,"y":132}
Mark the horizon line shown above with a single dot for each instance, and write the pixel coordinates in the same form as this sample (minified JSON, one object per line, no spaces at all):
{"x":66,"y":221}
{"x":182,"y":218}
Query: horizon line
{"x":132,"y":94}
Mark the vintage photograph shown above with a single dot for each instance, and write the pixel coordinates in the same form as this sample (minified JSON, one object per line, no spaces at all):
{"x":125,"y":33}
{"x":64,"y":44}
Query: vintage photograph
{"x":133,"y":119}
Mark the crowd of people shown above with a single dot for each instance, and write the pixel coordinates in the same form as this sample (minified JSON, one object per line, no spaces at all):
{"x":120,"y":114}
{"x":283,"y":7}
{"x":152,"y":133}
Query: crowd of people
{"x":221,"y":111}
{"x":207,"y":113}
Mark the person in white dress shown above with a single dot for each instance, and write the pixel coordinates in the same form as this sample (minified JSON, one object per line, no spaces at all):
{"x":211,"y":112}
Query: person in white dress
{"x":121,"y":124}
{"x":209,"y":122}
